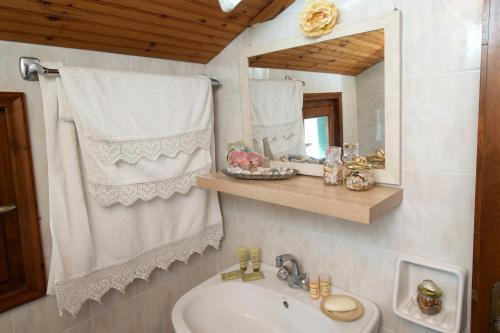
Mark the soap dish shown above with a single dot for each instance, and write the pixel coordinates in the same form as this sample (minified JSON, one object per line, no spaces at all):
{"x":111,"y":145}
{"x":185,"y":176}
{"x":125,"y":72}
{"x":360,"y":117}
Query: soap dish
{"x":344,"y":316}
{"x":411,"y":270}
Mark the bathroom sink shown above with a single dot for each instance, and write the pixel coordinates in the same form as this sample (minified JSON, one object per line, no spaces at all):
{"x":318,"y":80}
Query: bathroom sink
{"x":264,"y":306}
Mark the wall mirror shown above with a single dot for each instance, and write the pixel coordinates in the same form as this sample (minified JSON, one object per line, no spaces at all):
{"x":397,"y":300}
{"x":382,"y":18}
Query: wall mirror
{"x":302,"y":95}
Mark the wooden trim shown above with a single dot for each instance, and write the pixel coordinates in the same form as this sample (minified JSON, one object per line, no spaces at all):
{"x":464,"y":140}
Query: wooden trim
{"x":486,"y":271}
{"x":319,"y":96}
{"x":27,"y":209}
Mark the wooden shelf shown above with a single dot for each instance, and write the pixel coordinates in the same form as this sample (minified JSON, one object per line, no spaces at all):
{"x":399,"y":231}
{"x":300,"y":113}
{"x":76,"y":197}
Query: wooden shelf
{"x":310,"y":194}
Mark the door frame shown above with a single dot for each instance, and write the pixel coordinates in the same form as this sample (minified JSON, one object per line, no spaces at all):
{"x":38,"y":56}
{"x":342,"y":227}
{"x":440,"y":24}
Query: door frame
{"x":335,"y":137}
{"x":34,"y":287}
{"x":486,"y":252}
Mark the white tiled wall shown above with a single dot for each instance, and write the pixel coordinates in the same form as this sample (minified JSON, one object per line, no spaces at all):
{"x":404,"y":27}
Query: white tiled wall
{"x":145,"y":307}
{"x":441,"y":59}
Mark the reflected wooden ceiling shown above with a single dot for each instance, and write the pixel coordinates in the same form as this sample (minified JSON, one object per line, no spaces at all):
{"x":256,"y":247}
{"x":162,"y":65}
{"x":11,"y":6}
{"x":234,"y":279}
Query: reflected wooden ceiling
{"x":188,"y":30}
{"x":348,"y":55}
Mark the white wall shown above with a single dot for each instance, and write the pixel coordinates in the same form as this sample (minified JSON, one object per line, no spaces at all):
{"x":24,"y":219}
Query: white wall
{"x":145,"y":307}
{"x":441,"y":58}
{"x":370,"y":100}
{"x":322,"y":83}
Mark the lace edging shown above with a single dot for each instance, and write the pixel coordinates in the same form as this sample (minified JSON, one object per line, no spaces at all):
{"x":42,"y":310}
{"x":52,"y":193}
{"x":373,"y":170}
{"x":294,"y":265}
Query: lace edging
{"x":130,"y":151}
{"x":107,"y":195}
{"x":285,"y":130}
{"x":71,"y":295}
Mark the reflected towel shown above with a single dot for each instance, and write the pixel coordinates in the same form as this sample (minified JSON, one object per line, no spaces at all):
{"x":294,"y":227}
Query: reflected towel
{"x":276,"y":107}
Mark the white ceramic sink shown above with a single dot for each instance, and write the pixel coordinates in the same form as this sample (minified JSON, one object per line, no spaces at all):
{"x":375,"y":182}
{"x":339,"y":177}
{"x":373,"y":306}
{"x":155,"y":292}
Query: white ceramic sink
{"x":264,"y":306}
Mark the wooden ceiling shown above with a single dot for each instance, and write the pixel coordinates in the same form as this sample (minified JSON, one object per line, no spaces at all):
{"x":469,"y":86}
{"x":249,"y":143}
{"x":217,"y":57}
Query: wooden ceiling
{"x":348,"y":55}
{"x":187,"y":30}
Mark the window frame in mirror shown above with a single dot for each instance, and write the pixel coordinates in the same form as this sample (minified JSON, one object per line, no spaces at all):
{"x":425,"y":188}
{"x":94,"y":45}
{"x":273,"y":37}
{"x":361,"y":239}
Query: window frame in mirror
{"x":391,"y":24}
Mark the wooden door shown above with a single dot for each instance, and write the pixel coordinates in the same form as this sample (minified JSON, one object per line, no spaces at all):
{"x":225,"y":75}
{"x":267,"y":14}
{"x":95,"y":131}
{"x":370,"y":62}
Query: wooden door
{"x":326,"y":105}
{"x":22,"y":274}
{"x":486,"y":266}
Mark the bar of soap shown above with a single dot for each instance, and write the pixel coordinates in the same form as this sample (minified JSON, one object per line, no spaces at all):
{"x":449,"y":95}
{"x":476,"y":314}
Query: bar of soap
{"x":340,"y":303}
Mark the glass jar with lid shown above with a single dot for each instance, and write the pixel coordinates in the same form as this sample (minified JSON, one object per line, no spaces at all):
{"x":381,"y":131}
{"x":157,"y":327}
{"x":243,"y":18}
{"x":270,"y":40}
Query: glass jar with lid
{"x":358,"y":175}
{"x":351,"y":151}
{"x":429,"y":297}
{"x":332,"y":167}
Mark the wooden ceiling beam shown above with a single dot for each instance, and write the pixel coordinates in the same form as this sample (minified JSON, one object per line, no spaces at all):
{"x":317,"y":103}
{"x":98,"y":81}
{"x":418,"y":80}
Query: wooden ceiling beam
{"x":163,"y":11}
{"x":28,"y":37}
{"x":49,"y":32}
{"x":271,"y":11}
{"x":242,"y":12}
{"x":294,"y":61}
{"x":188,"y":30}
{"x":341,"y":71}
{"x":348,"y":55}
{"x":129,"y":16}
{"x":102,"y":31}
{"x":326,"y":52}
{"x":99,"y":20}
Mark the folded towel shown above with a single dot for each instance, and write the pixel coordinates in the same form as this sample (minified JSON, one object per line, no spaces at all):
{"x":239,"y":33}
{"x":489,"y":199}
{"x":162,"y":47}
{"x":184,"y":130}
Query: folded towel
{"x":95,"y":248}
{"x":173,"y":113}
{"x":168,"y":151}
{"x":276,"y":107}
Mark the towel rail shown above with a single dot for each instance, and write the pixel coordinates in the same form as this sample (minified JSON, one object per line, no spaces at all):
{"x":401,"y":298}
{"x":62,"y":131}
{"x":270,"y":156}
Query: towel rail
{"x":31,"y":67}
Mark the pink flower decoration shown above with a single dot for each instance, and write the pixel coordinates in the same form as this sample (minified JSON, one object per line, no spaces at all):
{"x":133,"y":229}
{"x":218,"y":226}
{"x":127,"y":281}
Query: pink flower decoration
{"x":255,"y":159}
{"x":238,"y":158}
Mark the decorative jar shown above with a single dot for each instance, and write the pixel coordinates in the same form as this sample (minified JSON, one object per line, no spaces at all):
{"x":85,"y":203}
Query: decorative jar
{"x":332,"y":167}
{"x":351,"y":151}
{"x":429,"y":297}
{"x":358,"y":176}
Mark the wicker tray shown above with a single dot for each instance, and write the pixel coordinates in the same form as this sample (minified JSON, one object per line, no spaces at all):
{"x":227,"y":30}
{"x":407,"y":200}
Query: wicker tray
{"x":260,"y":177}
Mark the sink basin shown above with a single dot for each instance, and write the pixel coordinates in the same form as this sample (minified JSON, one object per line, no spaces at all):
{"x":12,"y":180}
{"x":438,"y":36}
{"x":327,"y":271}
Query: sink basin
{"x":264,"y":306}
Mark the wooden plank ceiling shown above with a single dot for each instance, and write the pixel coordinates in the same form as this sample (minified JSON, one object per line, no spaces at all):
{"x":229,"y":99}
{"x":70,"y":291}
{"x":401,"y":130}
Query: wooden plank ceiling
{"x":187,"y":30}
{"x":348,"y":55}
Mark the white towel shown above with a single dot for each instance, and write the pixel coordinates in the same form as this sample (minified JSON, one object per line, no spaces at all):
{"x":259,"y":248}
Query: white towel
{"x":120,"y":120}
{"x":94,"y":248}
{"x":276,"y":107}
{"x":121,"y":126}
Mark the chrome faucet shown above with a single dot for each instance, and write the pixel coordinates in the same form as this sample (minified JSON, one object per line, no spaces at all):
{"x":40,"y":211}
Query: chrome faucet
{"x":291,"y":274}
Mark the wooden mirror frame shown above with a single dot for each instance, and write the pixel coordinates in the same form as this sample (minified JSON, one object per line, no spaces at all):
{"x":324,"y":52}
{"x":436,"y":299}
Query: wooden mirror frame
{"x":391,"y":24}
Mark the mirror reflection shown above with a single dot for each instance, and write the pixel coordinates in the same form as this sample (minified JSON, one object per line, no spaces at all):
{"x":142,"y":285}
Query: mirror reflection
{"x":310,"y":97}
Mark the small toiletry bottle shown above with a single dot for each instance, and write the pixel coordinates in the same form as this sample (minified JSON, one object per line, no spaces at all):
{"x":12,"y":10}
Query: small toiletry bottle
{"x":324,"y":284}
{"x":255,"y":258}
{"x":242,"y":253}
{"x":314,"y":286}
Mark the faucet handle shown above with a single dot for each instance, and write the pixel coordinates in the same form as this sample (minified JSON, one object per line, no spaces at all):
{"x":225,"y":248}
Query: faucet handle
{"x":304,"y":281}
{"x":280,"y":260}
{"x":283,"y":273}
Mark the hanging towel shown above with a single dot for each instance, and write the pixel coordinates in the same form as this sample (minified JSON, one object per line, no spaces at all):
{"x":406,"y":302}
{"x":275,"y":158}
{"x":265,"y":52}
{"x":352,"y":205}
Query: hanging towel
{"x":276,"y":107}
{"x":95,"y":249}
{"x":121,"y":126}
{"x":141,"y":137}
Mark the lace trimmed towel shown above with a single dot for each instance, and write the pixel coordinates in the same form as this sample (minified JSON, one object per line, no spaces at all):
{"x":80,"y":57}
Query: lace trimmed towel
{"x":141,"y":167}
{"x":172,"y":115}
{"x":96,"y":249}
{"x":276,"y":107}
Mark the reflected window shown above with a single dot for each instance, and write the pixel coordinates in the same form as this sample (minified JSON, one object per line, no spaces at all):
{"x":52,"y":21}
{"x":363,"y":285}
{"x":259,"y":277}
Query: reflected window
{"x":316,"y":135}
